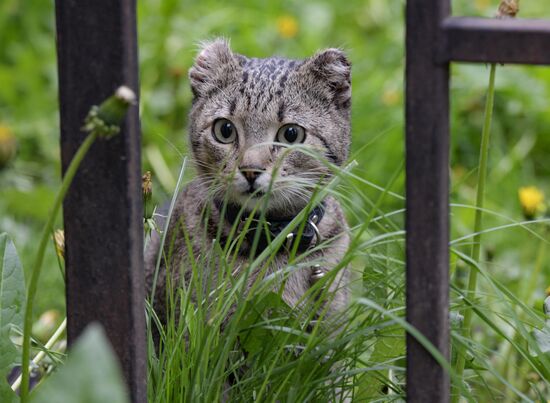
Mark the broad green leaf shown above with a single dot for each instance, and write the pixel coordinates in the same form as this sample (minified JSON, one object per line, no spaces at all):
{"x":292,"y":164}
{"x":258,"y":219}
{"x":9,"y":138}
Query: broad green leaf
{"x":12,"y":301}
{"x":90,"y":375}
{"x":389,"y":347}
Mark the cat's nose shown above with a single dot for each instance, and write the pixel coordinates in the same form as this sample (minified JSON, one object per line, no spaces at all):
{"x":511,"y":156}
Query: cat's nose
{"x":251,"y":172}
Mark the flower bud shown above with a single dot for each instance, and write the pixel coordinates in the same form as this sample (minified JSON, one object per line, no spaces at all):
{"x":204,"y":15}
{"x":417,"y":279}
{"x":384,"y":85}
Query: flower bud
{"x":59,"y":242}
{"x":46,"y":324}
{"x":147,"y":192}
{"x":508,"y":9}
{"x":105,"y":119}
{"x":147,"y":185}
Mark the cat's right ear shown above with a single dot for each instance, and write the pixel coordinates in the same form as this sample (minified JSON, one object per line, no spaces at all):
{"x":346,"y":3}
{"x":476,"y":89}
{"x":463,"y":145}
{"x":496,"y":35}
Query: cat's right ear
{"x":214,"y":66}
{"x":332,"y":68}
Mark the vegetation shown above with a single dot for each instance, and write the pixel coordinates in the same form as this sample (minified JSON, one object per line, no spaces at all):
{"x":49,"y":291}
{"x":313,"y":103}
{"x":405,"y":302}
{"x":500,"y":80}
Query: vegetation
{"x":506,"y":353}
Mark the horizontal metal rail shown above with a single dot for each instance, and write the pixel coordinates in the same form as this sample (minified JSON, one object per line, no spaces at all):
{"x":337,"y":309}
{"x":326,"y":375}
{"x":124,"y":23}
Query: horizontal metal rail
{"x":484,"y":40}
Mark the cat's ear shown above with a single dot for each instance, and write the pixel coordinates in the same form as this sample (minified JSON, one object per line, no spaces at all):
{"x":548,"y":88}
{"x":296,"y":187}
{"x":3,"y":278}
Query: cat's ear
{"x":213,"y":66}
{"x":332,"y":67}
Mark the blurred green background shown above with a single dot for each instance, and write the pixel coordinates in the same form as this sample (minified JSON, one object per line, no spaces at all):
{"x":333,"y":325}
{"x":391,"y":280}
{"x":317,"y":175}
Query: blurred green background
{"x":372,"y":33}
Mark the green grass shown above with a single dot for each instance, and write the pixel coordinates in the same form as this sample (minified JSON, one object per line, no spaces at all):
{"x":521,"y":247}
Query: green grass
{"x":244,"y":342}
{"x":513,"y":271}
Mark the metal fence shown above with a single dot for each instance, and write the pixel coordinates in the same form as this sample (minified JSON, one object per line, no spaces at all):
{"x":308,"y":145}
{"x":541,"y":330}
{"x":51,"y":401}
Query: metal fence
{"x":434,"y":39}
{"x":97,"y":51}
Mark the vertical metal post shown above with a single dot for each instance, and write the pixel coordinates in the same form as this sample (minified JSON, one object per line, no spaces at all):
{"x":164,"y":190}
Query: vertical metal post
{"x":427,"y":218}
{"x":97,"y":52}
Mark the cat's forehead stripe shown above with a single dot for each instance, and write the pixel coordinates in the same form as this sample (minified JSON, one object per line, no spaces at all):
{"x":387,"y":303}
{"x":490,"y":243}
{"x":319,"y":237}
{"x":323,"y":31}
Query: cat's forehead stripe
{"x":261,"y":79}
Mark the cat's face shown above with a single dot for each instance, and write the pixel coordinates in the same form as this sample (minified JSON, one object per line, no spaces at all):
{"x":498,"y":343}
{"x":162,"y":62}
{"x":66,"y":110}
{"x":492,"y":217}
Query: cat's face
{"x":246,"y":112}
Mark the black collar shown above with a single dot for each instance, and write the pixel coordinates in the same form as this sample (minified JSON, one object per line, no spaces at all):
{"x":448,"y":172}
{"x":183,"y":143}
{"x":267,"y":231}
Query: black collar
{"x":274,"y":226}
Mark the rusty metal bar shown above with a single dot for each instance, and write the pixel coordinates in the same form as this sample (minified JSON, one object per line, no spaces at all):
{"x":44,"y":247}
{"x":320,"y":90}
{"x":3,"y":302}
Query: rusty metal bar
{"x":427,"y":187}
{"x":433,"y":40}
{"x":97,"y":52}
{"x":495,"y":40}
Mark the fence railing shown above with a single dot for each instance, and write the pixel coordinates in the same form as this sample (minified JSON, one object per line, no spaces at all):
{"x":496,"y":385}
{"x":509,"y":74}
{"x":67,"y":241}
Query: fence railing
{"x":97,"y":52}
{"x":434,"y":39}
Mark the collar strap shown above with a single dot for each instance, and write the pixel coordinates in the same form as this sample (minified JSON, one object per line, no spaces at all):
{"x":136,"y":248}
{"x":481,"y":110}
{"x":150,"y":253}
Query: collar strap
{"x":274,"y":226}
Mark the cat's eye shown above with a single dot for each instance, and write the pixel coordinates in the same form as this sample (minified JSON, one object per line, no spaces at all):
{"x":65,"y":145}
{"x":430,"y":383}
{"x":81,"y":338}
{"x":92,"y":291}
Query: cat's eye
{"x":224,"y":131}
{"x":291,"y":134}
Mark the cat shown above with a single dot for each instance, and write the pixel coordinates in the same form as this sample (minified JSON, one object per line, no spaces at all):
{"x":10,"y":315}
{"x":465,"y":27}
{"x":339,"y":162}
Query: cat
{"x":244,"y":112}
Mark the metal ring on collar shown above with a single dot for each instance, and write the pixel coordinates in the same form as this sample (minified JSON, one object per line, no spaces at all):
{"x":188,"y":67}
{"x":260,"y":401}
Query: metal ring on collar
{"x":317,"y":233}
{"x":289,"y":239}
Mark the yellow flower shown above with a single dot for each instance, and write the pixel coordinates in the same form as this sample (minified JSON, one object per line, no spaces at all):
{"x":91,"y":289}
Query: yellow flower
{"x":176,"y":72}
{"x":547,"y":291}
{"x":287,"y":26}
{"x":481,"y":5}
{"x":532,"y":201}
{"x":5,"y":133}
{"x":391,"y":97}
{"x":8,"y":145}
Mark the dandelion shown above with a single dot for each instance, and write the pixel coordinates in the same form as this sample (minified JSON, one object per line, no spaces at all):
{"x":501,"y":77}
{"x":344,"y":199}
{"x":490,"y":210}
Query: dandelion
{"x":547,"y":291}
{"x":481,"y":4}
{"x":531,"y":199}
{"x":287,"y":26}
{"x":102,"y":121}
{"x":8,"y":146}
{"x":105,"y":120}
{"x":391,"y":97}
{"x":147,"y":192}
{"x":147,"y":185}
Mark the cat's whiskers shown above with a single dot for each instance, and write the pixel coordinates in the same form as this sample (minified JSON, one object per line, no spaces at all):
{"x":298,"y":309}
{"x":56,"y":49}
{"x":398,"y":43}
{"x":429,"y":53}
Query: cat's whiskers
{"x":293,"y":191}
{"x":209,"y":167}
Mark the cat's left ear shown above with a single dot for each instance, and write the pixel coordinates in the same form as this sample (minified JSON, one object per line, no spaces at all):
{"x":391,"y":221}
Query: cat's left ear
{"x":214,"y":67}
{"x":333,"y":67}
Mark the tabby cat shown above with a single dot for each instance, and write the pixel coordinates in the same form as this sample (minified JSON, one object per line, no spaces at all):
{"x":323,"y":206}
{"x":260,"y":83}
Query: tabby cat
{"x":246,"y":113}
